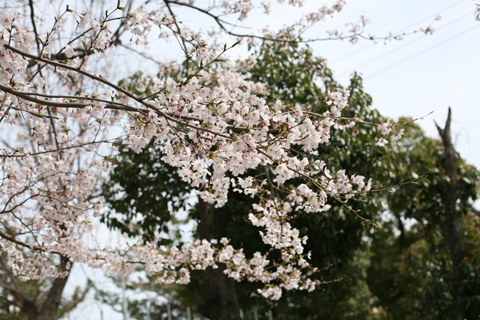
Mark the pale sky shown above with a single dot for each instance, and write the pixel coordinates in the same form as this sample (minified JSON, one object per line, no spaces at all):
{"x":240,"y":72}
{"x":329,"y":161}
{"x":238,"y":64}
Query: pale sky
{"x":417,"y":75}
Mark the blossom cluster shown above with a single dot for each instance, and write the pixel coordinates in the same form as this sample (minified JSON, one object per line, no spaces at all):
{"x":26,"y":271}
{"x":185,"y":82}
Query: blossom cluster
{"x":173,"y":265}
{"x":213,"y":125}
{"x":325,"y":11}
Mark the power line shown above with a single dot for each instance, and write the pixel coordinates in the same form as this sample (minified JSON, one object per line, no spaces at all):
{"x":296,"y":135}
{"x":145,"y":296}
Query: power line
{"x":422,"y":52}
{"x":403,"y":46}
{"x":430,"y":16}
{"x":401,"y":29}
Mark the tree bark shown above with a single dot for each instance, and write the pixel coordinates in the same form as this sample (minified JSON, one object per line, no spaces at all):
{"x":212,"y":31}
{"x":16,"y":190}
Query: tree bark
{"x":401,"y":228}
{"x":221,"y":301}
{"x":449,"y":199}
{"x":30,"y":305}
{"x":54,"y":297}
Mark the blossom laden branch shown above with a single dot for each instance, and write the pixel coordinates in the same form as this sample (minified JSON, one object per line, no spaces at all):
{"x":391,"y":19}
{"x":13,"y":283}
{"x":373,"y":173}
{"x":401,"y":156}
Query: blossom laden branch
{"x":212,"y":125}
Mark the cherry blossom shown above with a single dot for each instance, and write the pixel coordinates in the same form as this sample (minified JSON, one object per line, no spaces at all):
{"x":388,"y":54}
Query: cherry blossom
{"x":65,"y":120}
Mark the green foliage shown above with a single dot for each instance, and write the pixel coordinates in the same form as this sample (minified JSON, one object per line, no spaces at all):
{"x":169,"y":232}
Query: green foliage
{"x":335,"y":237}
{"x":398,"y":272}
{"x":411,"y":272}
{"x":293,"y":74}
{"x":145,"y":193}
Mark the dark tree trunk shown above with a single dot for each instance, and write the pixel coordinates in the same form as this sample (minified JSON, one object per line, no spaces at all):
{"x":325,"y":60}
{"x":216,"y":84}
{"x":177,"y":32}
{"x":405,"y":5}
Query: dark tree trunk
{"x":30,"y":309}
{"x":449,"y":200}
{"x":30,"y":306}
{"x":401,"y":228}
{"x":54,"y":297}
{"x":221,"y":302}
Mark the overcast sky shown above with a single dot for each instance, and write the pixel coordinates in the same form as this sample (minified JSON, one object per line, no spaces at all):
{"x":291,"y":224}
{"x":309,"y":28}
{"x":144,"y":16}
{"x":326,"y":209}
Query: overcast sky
{"x":417,"y":75}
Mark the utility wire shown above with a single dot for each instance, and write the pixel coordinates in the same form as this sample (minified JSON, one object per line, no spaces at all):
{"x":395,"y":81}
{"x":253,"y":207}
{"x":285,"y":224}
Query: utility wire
{"x":403,"y":46}
{"x":422,"y":52}
{"x":431,"y":15}
{"x":399,"y":30}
